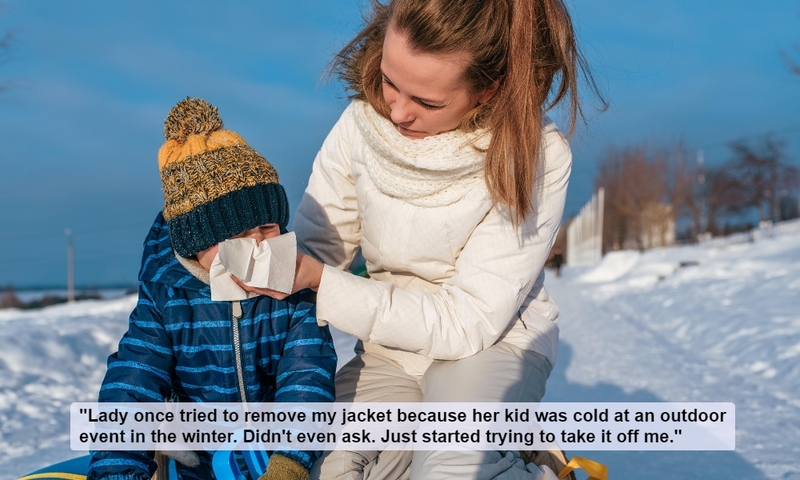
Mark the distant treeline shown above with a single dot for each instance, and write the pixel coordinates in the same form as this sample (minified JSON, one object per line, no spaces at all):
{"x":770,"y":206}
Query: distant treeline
{"x":650,"y":191}
{"x":9,"y":299}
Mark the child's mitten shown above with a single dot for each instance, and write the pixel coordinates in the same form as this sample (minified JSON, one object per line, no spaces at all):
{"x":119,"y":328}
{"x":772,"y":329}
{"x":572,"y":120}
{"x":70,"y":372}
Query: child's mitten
{"x":187,"y":458}
{"x":283,"y":468}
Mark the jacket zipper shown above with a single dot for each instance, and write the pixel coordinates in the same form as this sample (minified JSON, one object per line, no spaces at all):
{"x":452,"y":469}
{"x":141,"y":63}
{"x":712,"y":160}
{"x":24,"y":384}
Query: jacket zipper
{"x":236,"y":310}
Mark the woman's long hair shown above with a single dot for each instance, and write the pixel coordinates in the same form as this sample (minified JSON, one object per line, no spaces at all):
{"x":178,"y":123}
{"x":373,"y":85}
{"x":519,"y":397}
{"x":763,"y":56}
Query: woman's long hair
{"x":528,"y":45}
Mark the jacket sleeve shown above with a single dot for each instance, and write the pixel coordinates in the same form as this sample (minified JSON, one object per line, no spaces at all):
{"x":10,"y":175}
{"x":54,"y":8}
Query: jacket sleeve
{"x":493,"y":275}
{"x":307,"y":365}
{"x":138,"y":372}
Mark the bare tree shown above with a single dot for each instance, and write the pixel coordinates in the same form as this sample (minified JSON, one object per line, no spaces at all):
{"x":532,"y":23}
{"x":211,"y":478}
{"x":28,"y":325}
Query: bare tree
{"x":635,"y":184}
{"x":688,"y":188}
{"x":794,"y":65}
{"x":5,"y":48}
{"x":725,"y":195}
{"x":764,"y":174}
{"x":9,"y":300}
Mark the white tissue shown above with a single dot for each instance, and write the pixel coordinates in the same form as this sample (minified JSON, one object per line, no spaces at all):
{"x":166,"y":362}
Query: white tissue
{"x":269,"y":264}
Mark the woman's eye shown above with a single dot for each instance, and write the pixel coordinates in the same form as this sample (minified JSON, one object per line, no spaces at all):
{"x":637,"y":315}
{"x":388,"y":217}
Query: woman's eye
{"x":429,"y":106}
{"x":424,"y":105}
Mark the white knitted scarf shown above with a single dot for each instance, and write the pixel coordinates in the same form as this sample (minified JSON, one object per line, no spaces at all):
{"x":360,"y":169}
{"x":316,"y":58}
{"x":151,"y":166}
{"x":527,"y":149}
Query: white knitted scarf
{"x":430,"y":172}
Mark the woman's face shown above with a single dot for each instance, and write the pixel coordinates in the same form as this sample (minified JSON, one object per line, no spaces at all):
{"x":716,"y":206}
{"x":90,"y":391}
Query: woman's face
{"x":426,"y":93}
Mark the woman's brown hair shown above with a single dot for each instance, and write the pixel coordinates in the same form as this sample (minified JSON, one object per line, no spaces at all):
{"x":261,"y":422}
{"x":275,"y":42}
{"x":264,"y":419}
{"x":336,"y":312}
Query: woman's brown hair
{"x":528,"y":45}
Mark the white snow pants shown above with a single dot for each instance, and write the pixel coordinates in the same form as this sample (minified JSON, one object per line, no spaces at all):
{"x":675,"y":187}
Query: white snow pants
{"x":501,"y":373}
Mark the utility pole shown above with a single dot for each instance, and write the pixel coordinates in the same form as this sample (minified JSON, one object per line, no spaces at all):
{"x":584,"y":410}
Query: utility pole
{"x":701,"y":180}
{"x":70,"y":266}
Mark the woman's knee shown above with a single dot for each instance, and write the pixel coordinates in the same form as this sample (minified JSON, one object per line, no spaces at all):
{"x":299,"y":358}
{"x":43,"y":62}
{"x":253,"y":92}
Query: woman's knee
{"x":473,"y":465}
{"x":501,"y":373}
{"x":364,"y":465}
{"x":342,"y":465}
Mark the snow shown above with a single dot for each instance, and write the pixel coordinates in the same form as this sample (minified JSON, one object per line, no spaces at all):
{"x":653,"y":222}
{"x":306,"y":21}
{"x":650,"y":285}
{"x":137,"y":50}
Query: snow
{"x":724,"y":327}
{"x":611,"y":267}
{"x":715,"y":322}
{"x":50,"y":358}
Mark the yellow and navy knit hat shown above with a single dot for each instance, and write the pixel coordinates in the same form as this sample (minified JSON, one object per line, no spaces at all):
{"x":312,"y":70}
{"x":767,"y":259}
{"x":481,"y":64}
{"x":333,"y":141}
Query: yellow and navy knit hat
{"x":215,"y":185}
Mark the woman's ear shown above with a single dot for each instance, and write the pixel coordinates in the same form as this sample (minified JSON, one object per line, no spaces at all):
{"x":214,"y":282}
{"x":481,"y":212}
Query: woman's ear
{"x":487,"y":94}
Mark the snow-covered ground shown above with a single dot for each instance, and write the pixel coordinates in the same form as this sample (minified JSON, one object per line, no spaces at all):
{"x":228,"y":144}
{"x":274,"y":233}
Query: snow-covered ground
{"x":701,"y":323}
{"x":725,"y":327}
{"x":50,"y":358}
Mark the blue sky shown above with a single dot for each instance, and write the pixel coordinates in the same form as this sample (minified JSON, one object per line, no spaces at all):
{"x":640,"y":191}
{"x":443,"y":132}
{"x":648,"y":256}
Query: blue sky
{"x":91,"y":82}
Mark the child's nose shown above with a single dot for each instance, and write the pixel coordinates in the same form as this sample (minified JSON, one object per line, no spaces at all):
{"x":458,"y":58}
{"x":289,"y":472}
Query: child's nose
{"x":255,"y":233}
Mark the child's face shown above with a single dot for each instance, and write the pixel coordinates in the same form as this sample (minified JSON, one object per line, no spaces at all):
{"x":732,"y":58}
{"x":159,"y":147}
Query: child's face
{"x":269,"y":230}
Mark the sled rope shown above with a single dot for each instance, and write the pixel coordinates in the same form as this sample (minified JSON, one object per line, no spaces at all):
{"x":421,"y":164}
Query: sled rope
{"x":596,"y":470}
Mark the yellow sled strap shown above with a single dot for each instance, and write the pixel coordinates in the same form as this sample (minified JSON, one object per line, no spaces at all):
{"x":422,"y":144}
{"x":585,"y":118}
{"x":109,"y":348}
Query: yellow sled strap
{"x":596,"y":470}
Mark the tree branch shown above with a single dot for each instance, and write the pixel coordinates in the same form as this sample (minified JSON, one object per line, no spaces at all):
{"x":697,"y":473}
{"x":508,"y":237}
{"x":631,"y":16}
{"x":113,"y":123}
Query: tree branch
{"x":793,"y":66}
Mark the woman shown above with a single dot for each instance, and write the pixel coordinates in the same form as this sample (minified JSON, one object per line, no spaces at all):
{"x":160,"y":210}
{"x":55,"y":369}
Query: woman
{"x":446,"y":175}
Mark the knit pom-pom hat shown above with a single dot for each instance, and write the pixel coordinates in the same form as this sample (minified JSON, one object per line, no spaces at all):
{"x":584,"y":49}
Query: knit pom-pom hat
{"x":215,"y":185}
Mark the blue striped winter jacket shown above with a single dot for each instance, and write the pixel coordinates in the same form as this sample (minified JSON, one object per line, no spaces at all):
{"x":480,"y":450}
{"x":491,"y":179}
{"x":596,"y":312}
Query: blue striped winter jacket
{"x":180,"y":345}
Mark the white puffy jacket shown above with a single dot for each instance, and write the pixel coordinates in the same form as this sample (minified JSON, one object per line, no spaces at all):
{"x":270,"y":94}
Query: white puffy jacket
{"x":449,"y":273}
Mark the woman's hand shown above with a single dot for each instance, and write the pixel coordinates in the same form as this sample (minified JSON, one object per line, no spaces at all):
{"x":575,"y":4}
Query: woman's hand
{"x":307,"y":274}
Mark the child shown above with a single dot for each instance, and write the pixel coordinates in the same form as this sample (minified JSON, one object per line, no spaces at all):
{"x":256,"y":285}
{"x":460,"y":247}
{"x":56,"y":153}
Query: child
{"x":183,"y":346}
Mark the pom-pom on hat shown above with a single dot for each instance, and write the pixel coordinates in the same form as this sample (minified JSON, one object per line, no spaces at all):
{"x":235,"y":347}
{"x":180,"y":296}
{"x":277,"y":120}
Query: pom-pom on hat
{"x":215,"y":185}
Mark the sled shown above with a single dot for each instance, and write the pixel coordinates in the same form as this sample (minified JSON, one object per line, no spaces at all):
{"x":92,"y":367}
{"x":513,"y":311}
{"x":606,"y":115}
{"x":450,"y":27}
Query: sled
{"x":557,"y":462}
{"x":223,"y":462}
{"x":74,"y":469}
{"x":226,"y":468}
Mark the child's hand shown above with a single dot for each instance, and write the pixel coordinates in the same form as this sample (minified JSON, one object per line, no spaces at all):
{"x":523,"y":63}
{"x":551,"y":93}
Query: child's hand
{"x":283,"y":468}
{"x":308,"y":274}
